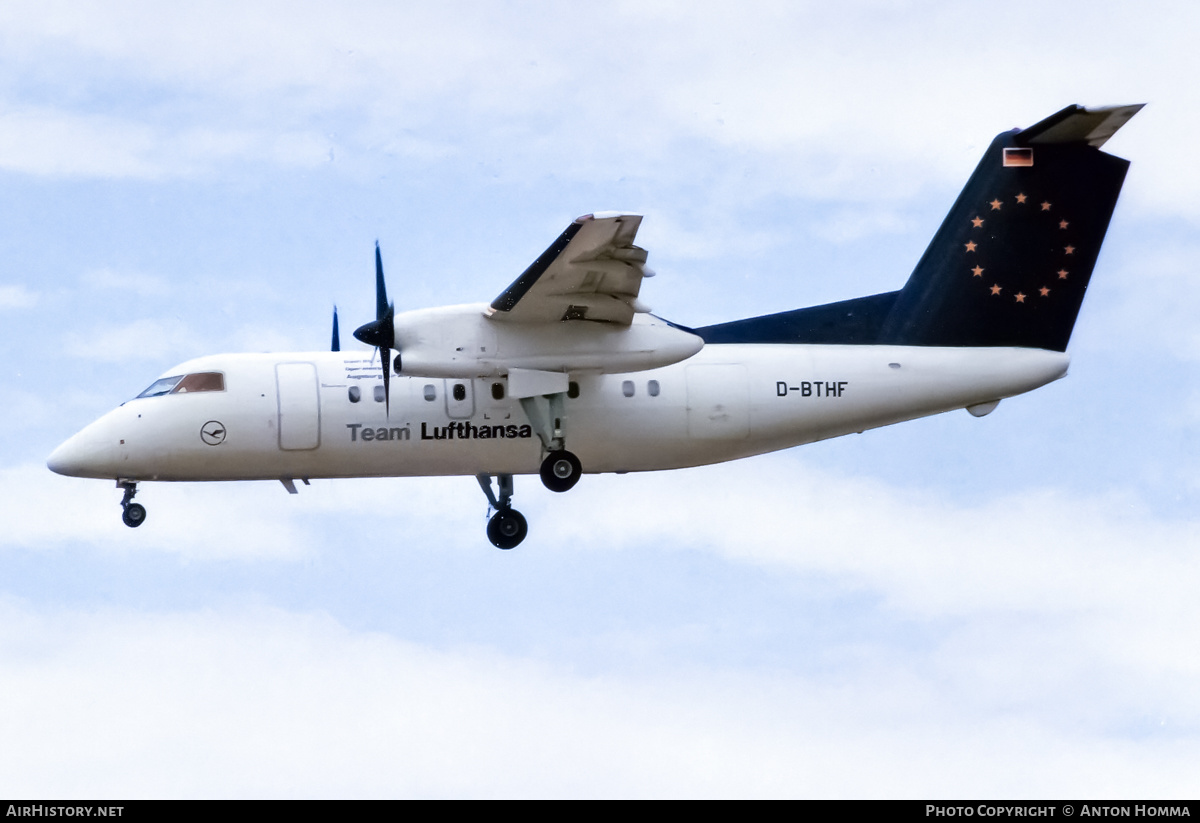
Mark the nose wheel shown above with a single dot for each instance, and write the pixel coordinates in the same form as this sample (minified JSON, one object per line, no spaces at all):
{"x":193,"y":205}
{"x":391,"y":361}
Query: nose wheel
{"x":132,"y":514}
{"x":507,"y":527}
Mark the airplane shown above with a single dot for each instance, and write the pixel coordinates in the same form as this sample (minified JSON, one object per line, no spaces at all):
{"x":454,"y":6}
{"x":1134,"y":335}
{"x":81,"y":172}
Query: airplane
{"x":568,"y":372}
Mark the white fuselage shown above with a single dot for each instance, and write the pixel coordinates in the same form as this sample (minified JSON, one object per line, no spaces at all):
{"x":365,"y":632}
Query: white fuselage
{"x":291,"y":415}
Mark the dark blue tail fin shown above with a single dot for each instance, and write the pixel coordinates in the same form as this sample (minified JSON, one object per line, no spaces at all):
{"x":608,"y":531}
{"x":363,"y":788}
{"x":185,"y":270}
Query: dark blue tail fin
{"x":1009,"y":265}
{"x":1011,"y":262}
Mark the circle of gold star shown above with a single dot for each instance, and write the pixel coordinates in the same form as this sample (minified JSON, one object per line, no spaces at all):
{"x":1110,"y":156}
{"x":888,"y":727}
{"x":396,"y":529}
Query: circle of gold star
{"x":973,"y":247}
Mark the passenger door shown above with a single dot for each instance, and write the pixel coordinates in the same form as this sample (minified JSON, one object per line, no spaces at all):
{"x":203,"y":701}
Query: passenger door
{"x":299,"y":406}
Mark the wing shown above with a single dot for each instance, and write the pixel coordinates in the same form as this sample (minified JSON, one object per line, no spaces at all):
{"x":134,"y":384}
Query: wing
{"x":591,"y":272}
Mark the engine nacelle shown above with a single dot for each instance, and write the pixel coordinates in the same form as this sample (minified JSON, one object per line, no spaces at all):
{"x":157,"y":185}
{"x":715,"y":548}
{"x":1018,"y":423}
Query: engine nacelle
{"x":461,"y":341}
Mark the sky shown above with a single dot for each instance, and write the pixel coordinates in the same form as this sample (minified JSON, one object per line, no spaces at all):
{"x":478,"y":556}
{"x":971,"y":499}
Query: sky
{"x":952,"y":607}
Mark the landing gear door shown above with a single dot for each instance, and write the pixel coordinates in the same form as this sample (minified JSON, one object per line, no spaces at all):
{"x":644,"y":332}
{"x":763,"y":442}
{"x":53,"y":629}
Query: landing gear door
{"x":460,"y":398}
{"x":299,"y":406}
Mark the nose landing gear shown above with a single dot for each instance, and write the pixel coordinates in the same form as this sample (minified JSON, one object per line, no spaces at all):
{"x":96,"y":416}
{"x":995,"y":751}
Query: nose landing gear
{"x":507,"y":527}
{"x":132,"y":514}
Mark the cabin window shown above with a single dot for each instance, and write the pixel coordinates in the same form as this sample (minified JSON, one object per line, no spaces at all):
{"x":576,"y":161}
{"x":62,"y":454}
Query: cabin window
{"x":497,"y":391}
{"x":652,"y":388}
{"x":430,"y":392}
{"x":627,"y":388}
{"x":572,"y":390}
{"x":355,"y":394}
{"x":460,"y":392}
{"x":379,"y":394}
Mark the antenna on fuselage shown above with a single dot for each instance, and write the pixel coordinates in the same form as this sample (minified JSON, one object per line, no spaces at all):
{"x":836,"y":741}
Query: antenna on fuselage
{"x":336,"y":344}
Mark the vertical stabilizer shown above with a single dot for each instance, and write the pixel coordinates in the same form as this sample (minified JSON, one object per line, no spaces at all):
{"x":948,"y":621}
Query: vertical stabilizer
{"x":1011,"y":263}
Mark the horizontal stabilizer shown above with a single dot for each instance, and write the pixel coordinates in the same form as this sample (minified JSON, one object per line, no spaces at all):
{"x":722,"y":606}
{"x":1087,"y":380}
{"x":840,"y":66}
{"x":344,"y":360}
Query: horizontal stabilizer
{"x":1075,"y":124}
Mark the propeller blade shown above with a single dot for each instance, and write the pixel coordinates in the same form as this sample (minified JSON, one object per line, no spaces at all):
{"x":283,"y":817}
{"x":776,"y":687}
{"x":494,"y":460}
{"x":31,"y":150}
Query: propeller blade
{"x":385,"y":361}
{"x":336,"y":344}
{"x":381,"y":302}
{"x":381,"y":332}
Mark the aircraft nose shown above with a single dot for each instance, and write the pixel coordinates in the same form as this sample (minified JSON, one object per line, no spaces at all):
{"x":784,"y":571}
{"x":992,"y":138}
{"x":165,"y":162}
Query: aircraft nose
{"x":84,"y":455}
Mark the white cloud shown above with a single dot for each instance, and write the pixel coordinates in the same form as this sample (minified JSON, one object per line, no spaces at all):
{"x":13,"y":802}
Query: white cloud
{"x":26,"y":409}
{"x":254,"y":703}
{"x":16,"y":297}
{"x":56,"y":143}
{"x":844,"y":226}
{"x":1154,"y":290}
{"x":126,"y":282}
{"x":807,"y":98}
{"x":1046,"y":649}
{"x":137,"y":341}
{"x":1035,"y":549}
{"x":1034,"y":552}
{"x":714,"y":238}
{"x":199,"y":521}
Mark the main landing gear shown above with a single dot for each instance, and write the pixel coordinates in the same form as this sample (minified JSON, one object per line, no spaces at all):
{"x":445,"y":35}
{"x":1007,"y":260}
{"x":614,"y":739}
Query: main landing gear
{"x":132,"y":514}
{"x":561,"y":469}
{"x":507,"y":527}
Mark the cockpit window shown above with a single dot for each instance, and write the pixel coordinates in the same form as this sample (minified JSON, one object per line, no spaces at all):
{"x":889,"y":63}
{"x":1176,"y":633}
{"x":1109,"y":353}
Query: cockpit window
{"x":186,"y":383}
{"x":201,"y":381}
{"x":160,"y":387}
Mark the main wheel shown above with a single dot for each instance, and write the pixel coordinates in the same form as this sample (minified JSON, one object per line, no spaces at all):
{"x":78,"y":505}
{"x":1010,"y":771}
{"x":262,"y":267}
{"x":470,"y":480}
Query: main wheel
{"x":134,"y":515}
{"x":507,"y":529}
{"x":560,"y":471}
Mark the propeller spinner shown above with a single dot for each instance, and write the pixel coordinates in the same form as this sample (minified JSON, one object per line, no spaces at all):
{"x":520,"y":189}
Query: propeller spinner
{"x":381,"y":332}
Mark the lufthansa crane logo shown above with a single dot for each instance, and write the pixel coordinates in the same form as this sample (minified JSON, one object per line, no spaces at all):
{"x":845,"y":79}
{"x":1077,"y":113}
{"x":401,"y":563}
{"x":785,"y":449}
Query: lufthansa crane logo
{"x":213,"y":432}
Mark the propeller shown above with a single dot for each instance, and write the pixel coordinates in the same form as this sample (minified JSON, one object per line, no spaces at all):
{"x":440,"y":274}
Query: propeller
{"x":381,"y":332}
